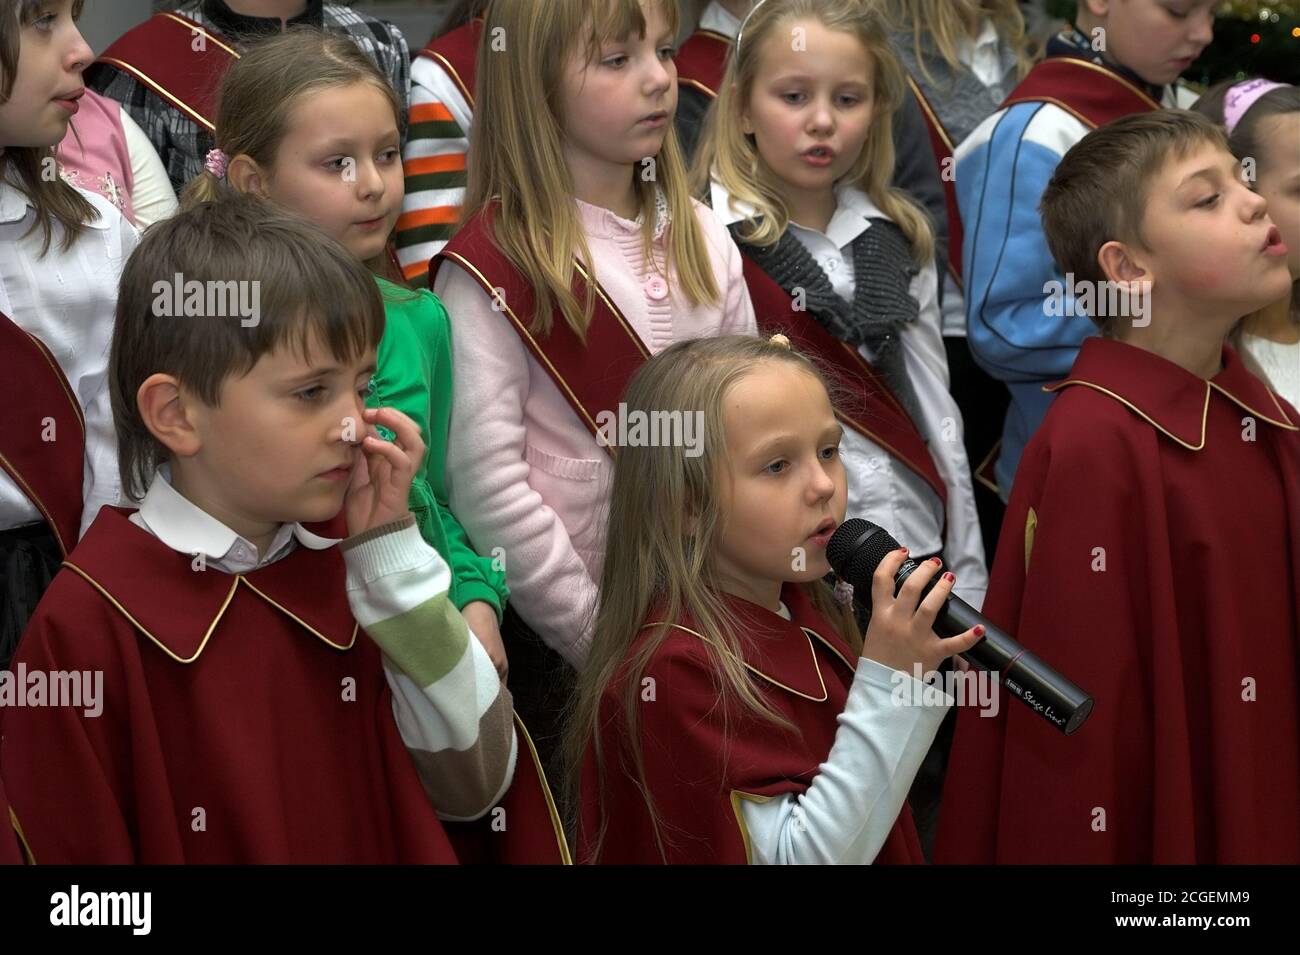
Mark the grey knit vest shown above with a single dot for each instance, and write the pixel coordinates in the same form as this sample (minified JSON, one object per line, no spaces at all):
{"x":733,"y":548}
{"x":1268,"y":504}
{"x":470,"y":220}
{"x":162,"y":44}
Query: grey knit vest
{"x":883,"y":269}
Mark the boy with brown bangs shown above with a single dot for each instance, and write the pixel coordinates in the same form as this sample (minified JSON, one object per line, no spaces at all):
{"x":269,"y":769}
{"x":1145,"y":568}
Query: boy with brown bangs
{"x":246,"y":717}
{"x":1151,"y":549}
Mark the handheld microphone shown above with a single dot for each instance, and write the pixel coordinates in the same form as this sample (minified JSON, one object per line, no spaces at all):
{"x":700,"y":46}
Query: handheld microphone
{"x":855,"y":550}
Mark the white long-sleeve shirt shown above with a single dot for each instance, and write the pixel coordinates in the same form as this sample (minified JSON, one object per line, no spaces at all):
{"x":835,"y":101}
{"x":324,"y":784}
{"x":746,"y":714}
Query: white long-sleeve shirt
{"x":67,"y":300}
{"x":846,"y":813}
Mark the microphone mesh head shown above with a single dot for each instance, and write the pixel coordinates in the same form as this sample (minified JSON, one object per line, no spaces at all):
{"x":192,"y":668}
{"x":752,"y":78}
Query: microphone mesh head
{"x":855,"y":559}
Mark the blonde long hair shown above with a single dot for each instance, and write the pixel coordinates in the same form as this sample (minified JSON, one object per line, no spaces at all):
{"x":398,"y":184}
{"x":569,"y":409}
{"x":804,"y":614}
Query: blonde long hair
{"x":664,"y":514}
{"x":947,"y":23}
{"x":258,"y":93}
{"x":517,"y":157}
{"x":727,"y":153}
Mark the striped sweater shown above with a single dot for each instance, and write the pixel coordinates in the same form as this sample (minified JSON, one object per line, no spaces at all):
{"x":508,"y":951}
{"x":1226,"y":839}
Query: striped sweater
{"x":454,"y":713}
{"x":434,"y":163}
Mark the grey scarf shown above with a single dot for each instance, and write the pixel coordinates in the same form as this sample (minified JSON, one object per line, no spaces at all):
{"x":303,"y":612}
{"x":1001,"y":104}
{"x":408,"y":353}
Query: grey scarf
{"x":882,"y":304}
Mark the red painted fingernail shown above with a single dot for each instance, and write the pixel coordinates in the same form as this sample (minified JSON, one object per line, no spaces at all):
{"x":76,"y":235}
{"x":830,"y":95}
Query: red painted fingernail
{"x":902,"y":550}
{"x":949,"y":577}
{"x":936,"y":560}
{"x":979,"y":629}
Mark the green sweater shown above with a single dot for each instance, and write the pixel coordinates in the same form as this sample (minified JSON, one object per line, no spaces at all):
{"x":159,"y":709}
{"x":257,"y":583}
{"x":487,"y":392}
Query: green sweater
{"x":414,"y":376}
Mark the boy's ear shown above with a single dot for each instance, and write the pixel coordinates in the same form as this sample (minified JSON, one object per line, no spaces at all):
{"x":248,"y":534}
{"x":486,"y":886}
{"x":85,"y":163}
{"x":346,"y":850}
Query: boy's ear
{"x":1122,"y":264}
{"x":246,"y":175}
{"x":165,"y":411}
{"x":1098,"y":8}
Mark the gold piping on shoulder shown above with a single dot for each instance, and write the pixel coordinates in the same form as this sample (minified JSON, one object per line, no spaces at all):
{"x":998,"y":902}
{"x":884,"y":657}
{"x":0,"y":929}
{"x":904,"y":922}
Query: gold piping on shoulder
{"x":1285,"y":423}
{"x":1205,"y":409}
{"x":929,"y":112}
{"x":7,"y":466}
{"x":139,"y":626}
{"x":161,"y":91}
{"x":696,"y":84}
{"x":61,"y":379}
{"x":829,"y":646}
{"x":491,"y":291}
{"x":191,"y":26}
{"x":215,"y":620}
{"x":748,"y":666}
{"x":556,"y":824}
{"x":451,"y":71}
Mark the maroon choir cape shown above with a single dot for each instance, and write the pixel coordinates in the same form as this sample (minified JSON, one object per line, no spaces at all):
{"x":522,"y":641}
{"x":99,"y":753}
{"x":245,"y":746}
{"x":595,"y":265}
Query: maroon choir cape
{"x":1092,"y":93}
{"x":589,"y":386}
{"x":40,"y":405}
{"x":1151,"y":553}
{"x":177,"y":59}
{"x":803,"y":669}
{"x":702,"y":61}
{"x":245,"y":718}
{"x":457,"y":53}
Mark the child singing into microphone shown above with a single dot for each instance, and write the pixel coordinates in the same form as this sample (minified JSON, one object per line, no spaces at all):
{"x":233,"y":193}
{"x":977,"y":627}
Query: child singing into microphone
{"x":722,"y":716}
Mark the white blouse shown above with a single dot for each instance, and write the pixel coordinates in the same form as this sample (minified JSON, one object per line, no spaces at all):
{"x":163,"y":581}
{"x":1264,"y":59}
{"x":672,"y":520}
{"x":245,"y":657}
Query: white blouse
{"x":67,"y":299}
{"x":1280,"y":363}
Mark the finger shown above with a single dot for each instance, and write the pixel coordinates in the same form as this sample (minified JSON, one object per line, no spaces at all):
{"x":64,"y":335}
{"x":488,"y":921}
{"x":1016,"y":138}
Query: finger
{"x":929,"y":608}
{"x":910,"y":594}
{"x":406,"y":431}
{"x":882,"y":581}
{"x":962,"y":642}
{"x":378,"y":450}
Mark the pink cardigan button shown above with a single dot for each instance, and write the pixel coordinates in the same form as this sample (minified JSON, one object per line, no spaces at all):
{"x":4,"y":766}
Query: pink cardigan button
{"x":656,"y":288}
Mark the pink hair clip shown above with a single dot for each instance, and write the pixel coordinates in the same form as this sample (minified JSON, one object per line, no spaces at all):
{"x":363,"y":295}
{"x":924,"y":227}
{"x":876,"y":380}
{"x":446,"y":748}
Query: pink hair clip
{"x":216,"y":163}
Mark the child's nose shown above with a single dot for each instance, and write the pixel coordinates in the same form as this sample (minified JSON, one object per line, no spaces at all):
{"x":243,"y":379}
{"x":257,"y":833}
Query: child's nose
{"x":370,"y":183}
{"x":659,"y":75}
{"x":1203,"y":28}
{"x":822,"y":485}
{"x":352,"y":427}
{"x":822,"y":117}
{"x":79,"y":55}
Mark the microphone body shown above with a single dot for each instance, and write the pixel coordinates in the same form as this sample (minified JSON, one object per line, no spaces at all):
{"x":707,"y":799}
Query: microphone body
{"x":857,"y":548}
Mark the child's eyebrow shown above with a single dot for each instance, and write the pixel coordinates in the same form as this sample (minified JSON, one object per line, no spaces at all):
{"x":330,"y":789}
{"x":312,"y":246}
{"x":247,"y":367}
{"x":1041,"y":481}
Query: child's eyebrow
{"x":1211,"y":173}
{"x":323,"y":371}
{"x":776,"y":442}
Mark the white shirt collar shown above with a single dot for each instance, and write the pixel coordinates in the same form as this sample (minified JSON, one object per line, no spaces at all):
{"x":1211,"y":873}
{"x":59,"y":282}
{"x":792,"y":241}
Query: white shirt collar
{"x":988,"y":35}
{"x":14,"y":205}
{"x":853,"y":210}
{"x":717,"y":18}
{"x":184,"y":526}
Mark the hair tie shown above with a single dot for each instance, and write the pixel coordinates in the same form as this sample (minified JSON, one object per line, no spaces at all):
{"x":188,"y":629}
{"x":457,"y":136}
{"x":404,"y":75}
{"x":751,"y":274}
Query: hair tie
{"x":780,"y":341}
{"x":1242,"y":97}
{"x":216,"y":163}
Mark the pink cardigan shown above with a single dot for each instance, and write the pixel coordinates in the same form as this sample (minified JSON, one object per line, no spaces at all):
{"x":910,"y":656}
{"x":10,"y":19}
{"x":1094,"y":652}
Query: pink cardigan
{"x":524,"y":474}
